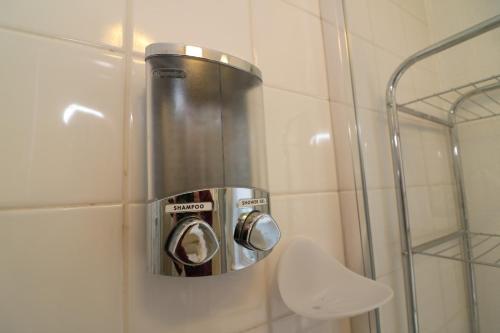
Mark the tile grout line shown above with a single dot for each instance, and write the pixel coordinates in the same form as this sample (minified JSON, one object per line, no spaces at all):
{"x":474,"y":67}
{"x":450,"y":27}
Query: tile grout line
{"x":302,"y":9}
{"x":296,"y":92}
{"x":61,"y":206}
{"x":128,"y":40}
{"x":290,"y":194}
{"x":94,"y":45}
{"x":335,"y":24}
{"x":420,"y":66}
{"x":407,"y":11}
{"x":267,"y":270}
{"x":268,"y":323}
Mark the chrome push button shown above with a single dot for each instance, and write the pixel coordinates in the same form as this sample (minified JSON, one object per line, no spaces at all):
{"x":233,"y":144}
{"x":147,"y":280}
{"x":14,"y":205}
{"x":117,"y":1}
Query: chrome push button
{"x":192,"y":242}
{"x":257,"y":231}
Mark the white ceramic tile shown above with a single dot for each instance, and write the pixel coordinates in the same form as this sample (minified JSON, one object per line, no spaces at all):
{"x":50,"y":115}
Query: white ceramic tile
{"x":488,"y":293}
{"x":61,"y":270}
{"x":311,"y":6}
{"x":385,"y":230}
{"x":426,"y":82}
{"x":266,"y":328}
{"x":393,"y":314}
{"x":91,"y":21}
{"x":453,"y":286}
{"x":416,"y":33}
{"x":337,"y":64}
{"x":387,"y":63}
{"x":358,"y":18}
{"x":375,"y":148}
{"x":437,"y":151}
{"x":298,"y":324}
{"x":61,"y":138}
{"x":487,"y":49}
{"x":430,"y":298}
{"x":333,"y":12}
{"x":368,"y":89}
{"x":443,"y":208}
{"x":479,"y":146}
{"x":137,"y":134}
{"x":289,"y":47}
{"x":419,"y":210}
{"x":299,"y":143}
{"x":481,"y":170}
{"x":416,"y":8}
{"x":448,"y":17}
{"x":229,"y":303}
{"x":413,"y":151}
{"x":457,"y":57}
{"x":460,"y":324}
{"x":476,"y":58}
{"x":346,"y":144}
{"x":387,"y":24}
{"x":223,"y":25}
{"x":316,"y":216}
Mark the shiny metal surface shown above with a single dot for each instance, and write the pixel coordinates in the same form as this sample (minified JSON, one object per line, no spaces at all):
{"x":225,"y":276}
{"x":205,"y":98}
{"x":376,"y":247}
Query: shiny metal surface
{"x":206,"y":161}
{"x":165,"y":227}
{"x":442,"y":105}
{"x":201,"y":52}
{"x":205,"y":126}
{"x":243,"y":129}
{"x":399,"y":174}
{"x":479,"y":90}
{"x":257,"y":231}
{"x":192,"y":242}
{"x":184,"y":140}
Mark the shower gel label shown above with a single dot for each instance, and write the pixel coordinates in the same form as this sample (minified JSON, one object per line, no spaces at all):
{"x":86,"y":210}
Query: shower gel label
{"x":188,"y":207}
{"x":252,"y":202}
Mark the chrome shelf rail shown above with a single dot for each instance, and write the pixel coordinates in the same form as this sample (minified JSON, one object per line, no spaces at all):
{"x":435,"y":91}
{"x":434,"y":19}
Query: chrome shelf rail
{"x":485,"y":248}
{"x":441,"y":114}
{"x":472,"y":101}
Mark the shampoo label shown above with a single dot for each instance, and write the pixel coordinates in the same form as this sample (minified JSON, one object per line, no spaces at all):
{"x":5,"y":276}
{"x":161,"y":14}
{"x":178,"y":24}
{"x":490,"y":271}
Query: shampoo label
{"x":188,"y":207}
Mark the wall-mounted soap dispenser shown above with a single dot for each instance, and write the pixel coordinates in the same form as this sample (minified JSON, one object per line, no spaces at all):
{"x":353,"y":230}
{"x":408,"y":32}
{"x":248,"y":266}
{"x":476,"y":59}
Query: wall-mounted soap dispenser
{"x":208,"y":209}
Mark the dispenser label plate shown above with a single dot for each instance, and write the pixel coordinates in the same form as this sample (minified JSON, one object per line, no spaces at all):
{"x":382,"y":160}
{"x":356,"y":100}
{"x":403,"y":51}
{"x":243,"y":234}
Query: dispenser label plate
{"x":252,"y":202}
{"x":189,"y":207}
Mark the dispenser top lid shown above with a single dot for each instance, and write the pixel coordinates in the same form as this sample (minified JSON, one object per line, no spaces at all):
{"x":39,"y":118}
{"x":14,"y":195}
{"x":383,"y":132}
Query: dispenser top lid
{"x":201,"y":52}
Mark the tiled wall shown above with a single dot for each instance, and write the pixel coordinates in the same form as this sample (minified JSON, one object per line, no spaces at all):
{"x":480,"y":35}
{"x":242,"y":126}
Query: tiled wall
{"x":381,"y":34}
{"x":72,"y":224}
{"x":474,"y":60}
{"x":470,"y":61}
{"x":479,"y":142}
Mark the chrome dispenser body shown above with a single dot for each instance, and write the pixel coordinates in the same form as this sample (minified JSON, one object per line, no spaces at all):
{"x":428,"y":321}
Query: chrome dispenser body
{"x":208,"y":204}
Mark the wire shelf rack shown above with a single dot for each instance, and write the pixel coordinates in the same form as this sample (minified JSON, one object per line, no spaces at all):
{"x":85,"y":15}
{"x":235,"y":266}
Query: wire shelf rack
{"x":472,"y":101}
{"x":485,"y":248}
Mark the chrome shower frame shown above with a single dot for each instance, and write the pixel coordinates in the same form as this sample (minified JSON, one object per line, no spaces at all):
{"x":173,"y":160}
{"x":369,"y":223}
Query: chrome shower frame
{"x":399,"y":173}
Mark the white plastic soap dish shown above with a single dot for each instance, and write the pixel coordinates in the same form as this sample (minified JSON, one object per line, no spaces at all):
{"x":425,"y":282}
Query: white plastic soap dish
{"x":314,"y":284}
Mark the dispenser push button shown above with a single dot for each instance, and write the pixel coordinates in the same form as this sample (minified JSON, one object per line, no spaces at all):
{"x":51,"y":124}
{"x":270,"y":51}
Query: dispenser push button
{"x":192,"y":242}
{"x":257,"y":231}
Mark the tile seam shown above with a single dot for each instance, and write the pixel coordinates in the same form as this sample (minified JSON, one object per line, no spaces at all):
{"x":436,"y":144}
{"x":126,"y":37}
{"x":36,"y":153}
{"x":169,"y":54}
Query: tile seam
{"x":94,"y":45}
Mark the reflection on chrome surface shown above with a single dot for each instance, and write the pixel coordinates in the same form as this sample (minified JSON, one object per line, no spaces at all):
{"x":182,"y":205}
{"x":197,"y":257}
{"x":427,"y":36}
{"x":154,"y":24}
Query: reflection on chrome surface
{"x":192,"y":242}
{"x":186,"y":242}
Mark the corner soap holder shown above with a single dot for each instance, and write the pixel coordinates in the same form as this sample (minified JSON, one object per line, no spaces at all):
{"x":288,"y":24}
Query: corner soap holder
{"x":313,"y":284}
